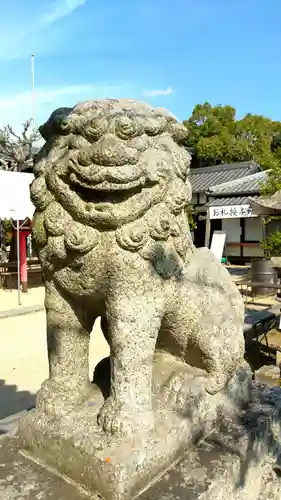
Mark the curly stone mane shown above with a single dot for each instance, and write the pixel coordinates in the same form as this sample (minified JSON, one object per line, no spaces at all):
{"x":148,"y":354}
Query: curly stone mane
{"x":111,"y":165}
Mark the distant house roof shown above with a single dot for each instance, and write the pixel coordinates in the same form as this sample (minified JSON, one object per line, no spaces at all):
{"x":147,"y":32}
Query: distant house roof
{"x":248,"y":184}
{"x":267,"y":205}
{"x":202,"y":179}
{"x":236,"y":200}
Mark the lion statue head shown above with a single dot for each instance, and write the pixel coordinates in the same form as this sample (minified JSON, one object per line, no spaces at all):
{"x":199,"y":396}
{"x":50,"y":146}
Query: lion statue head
{"x":109,"y":161}
{"x":111,"y":165}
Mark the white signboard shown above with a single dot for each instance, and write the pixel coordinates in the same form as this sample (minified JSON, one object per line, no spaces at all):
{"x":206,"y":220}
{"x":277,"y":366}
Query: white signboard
{"x":231,"y":212}
{"x":217,"y":244}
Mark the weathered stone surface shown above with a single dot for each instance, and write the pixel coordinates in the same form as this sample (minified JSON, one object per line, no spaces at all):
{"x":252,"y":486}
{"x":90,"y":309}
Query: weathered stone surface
{"x":240,"y":459}
{"x":24,"y":479}
{"x":113,"y":239}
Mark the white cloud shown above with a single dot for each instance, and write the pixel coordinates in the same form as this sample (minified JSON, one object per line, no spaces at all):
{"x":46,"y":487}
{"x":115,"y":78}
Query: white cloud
{"x":61,"y":9}
{"x":158,"y":92}
{"x":16,"y":109}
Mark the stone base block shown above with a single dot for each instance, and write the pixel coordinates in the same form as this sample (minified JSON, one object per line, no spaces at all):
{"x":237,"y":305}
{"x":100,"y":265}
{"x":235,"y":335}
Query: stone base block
{"x":116,"y":468}
{"x":235,"y":461}
{"x":24,"y":479}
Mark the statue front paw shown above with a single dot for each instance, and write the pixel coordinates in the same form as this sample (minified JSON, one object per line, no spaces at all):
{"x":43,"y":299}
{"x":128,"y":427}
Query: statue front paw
{"x":124,"y":420}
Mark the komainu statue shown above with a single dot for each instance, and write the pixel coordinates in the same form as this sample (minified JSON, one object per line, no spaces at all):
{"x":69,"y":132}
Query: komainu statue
{"x":111,"y":230}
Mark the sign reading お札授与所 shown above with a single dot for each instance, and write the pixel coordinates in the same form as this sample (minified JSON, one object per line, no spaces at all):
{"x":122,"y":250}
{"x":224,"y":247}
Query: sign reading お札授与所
{"x":231,"y":212}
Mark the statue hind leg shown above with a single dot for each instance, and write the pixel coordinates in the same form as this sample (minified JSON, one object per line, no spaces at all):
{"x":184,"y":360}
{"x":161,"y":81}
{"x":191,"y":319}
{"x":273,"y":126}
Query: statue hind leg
{"x":211,"y":345}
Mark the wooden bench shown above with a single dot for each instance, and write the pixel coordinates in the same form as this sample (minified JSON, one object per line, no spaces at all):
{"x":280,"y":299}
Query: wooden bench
{"x":4,"y":275}
{"x":256,"y":327}
{"x":9,"y":269}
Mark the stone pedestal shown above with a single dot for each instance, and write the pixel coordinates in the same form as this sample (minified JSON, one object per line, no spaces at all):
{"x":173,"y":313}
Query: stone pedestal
{"x":240,"y":459}
{"x":118,"y":468}
{"x":24,"y":479}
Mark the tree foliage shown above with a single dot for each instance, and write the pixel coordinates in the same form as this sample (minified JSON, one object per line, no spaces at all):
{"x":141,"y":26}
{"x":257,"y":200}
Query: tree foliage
{"x":16,"y":151}
{"x":217,"y":137}
{"x":272,"y":245}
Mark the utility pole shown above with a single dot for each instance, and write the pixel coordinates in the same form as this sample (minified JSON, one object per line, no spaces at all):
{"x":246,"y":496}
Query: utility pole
{"x":33,"y":91}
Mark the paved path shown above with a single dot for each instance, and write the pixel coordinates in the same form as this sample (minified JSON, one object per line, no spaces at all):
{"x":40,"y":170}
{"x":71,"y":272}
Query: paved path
{"x":9,"y":299}
{"x":24,"y":363}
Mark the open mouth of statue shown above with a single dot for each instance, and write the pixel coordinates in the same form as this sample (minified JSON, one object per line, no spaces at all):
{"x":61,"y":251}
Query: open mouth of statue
{"x":105,"y":191}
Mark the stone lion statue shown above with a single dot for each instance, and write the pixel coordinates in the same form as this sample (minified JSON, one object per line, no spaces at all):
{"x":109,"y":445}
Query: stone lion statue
{"x":112,"y":236}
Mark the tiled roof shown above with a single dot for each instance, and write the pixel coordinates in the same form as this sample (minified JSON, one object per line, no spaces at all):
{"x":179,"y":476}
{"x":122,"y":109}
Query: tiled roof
{"x":235,"y":200}
{"x":266,"y":205}
{"x":248,"y":184}
{"x":202,"y":179}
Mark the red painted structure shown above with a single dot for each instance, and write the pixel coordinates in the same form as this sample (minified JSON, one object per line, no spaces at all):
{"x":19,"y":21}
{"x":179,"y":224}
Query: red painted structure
{"x":24,"y":233}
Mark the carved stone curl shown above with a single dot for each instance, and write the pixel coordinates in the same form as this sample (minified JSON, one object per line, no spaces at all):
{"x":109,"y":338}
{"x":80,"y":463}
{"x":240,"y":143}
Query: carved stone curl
{"x":56,"y":219}
{"x":132,"y":236}
{"x":80,"y":239}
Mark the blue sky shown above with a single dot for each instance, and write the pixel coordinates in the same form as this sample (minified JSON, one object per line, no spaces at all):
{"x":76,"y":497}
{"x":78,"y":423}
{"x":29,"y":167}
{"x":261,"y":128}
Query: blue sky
{"x":171,"y":53}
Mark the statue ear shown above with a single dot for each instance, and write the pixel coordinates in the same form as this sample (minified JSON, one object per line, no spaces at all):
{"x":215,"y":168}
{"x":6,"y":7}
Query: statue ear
{"x":45,"y":130}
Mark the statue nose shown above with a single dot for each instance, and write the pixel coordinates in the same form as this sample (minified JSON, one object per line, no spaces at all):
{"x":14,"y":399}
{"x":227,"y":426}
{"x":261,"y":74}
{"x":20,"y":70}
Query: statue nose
{"x":111,"y":151}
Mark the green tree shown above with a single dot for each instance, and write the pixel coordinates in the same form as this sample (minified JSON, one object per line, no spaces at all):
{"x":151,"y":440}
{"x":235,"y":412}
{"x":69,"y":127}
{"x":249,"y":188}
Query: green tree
{"x":272,"y":245}
{"x":217,"y":137}
{"x":273,"y":183}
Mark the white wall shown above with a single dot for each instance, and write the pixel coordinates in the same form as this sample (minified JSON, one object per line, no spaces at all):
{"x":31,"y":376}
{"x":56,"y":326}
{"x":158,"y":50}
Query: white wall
{"x":253,"y":232}
{"x":202,"y":198}
{"x":233,"y":234}
{"x":194,"y":199}
{"x":253,"y":229}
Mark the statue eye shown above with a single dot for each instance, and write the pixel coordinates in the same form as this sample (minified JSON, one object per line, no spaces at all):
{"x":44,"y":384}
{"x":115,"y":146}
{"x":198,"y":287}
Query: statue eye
{"x":126,"y":127}
{"x":63,"y":126}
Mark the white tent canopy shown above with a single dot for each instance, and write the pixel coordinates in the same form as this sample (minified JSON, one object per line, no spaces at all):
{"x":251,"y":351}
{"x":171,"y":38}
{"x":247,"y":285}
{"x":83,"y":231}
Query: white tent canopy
{"x":14,"y":195}
{"x":15,"y":204}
